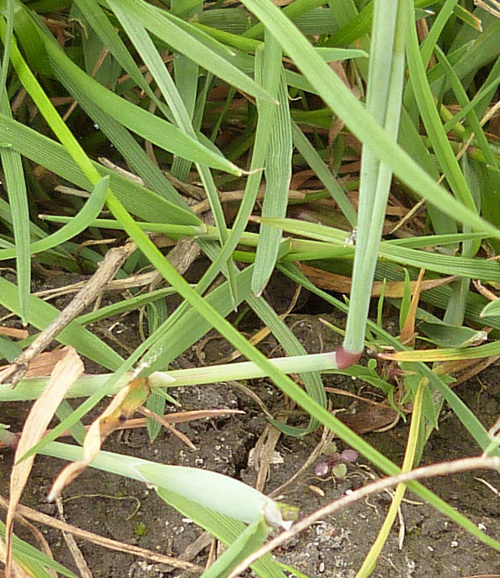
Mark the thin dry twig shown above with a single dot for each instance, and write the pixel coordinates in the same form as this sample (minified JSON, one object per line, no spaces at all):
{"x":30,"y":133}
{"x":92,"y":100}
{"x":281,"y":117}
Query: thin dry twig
{"x":168,"y":426}
{"x":113,"y":260}
{"x":435,"y":470}
{"x":264,"y":452}
{"x":101,"y":540}
{"x":131,"y":282}
{"x":78,"y":557}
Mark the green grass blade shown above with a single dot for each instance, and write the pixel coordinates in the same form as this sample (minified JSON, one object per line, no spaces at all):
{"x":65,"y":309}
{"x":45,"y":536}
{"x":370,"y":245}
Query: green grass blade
{"x":473,"y":121}
{"x":76,"y":225}
{"x":430,"y":41}
{"x":186,"y":74}
{"x":18,"y":199}
{"x":191,"y":326}
{"x":278,"y":172}
{"x":383,"y":101}
{"x":46,"y":152}
{"x":293,"y":10}
{"x":432,"y":122}
{"x":262,"y":135}
{"x":247,"y":542}
{"x":461,"y":266}
{"x":37,"y":563}
{"x":183,"y":38}
{"x":225,"y":529}
{"x":176,"y":103}
{"x":323,"y":173}
{"x":109,"y":36}
{"x":362,"y":124}
{"x":292,"y":346}
{"x":9,"y":25}
{"x":484,"y":50}
{"x":143,"y":123}
{"x":15,"y":183}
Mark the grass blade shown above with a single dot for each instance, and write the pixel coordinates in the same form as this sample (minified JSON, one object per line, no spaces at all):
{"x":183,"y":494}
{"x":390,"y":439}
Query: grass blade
{"x":76,"y":225}
{"x":185,"y":39}
{"x":278,"y":172}
{"x":362,"y":124}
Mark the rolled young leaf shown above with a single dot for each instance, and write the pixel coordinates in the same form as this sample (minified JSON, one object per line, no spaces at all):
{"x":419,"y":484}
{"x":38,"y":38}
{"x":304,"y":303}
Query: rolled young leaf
{"x":210,"y":489}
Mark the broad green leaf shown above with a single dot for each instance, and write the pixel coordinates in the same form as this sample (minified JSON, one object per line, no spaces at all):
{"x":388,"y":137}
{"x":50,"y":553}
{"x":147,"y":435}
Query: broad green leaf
{"x":492,"y":309}
{"x":211,"y":490}
{"x":445,"y":335}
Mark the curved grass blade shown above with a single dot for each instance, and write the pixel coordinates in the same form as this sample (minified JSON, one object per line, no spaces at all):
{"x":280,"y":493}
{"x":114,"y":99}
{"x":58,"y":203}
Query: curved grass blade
{"x":76,"y":225}
{"x":225,"y":528}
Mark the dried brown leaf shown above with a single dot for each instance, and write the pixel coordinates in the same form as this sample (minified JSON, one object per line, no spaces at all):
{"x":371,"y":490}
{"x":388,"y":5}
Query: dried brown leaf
{"x":408,"y":331}
{"x":44,"y":363}
{"x":65,"y":373}
{"x":342,"y":284}
{"x":123,"y":406}
{"x":14,"y":333}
